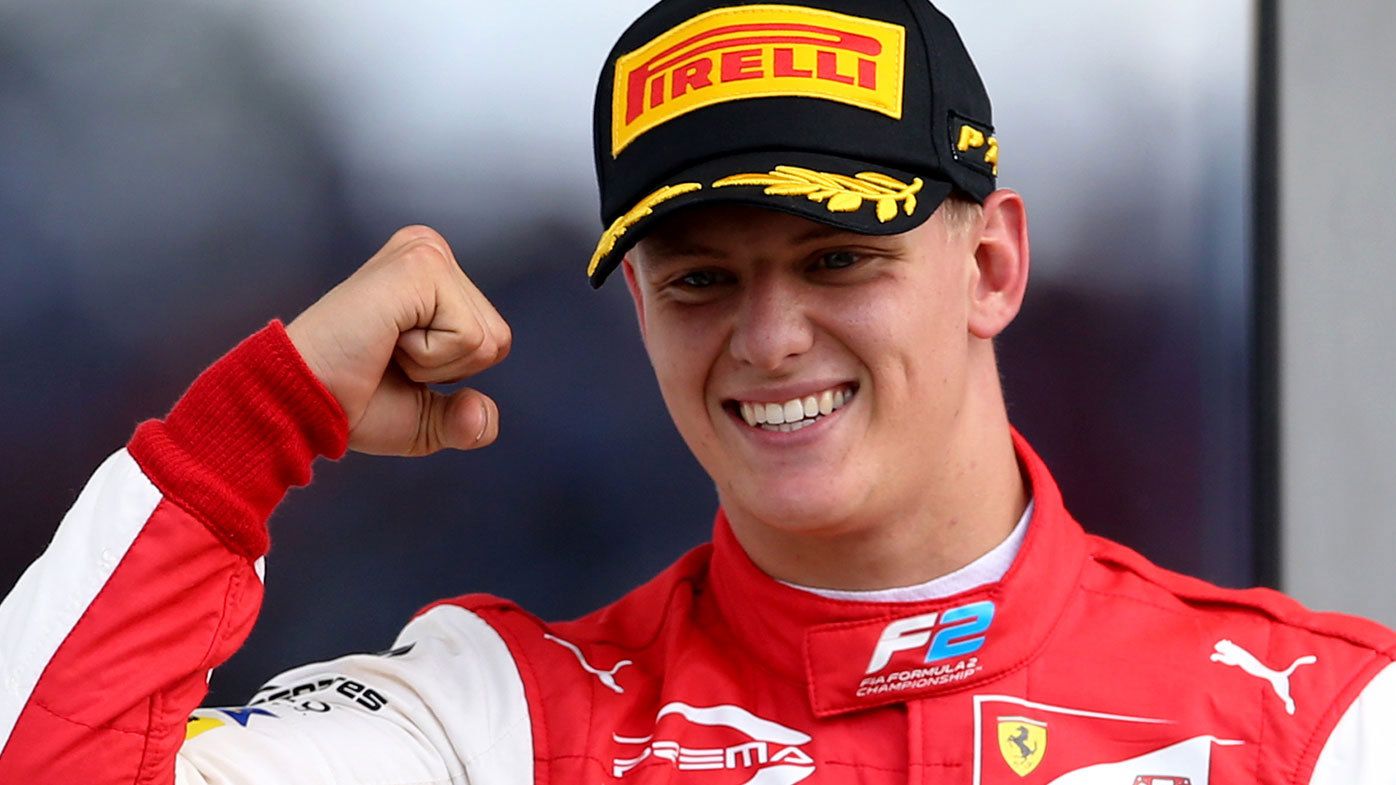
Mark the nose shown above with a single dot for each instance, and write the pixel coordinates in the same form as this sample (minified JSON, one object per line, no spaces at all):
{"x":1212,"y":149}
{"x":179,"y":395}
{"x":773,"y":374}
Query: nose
{"x":771,"y":326}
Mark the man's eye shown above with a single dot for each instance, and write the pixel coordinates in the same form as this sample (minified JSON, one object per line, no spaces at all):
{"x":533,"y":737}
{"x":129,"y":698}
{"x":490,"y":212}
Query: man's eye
{"x":698,"y":279}
{"x":837,"y":260}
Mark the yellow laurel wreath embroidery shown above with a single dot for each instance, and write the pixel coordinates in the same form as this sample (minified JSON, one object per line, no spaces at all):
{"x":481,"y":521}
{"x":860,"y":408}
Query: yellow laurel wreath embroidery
{"x":839,"y":193}
{"x":644,"y":207}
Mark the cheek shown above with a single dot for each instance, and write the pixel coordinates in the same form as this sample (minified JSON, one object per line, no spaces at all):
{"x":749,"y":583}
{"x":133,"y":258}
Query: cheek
{"x":684,"y":356}
{"x":908,"y":341}
{"x":682,"y":352}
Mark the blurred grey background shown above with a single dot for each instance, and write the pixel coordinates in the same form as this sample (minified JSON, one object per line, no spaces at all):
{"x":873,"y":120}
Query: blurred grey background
{"x":1337,"y":379}
{"x":174,"y":173}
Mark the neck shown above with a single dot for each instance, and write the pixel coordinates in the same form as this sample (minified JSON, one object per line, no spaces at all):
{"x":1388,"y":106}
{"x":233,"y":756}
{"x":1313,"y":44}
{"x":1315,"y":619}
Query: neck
{"x":973,"y":496}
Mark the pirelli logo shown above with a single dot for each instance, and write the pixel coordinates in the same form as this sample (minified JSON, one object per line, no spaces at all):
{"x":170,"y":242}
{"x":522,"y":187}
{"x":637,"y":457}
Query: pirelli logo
{"x":757,"y":51}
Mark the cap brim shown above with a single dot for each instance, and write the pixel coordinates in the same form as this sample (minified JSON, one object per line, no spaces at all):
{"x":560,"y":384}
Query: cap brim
{"x":855,"y":195}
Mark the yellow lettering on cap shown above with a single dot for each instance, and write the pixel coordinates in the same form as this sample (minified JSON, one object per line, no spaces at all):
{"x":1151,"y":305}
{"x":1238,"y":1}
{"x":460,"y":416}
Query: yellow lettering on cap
{"x":757,"y":51}
{"x":973,"y":139}
{"x":969,"y":137}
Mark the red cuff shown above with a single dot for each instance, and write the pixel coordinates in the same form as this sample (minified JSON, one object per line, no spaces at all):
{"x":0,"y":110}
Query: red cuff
{"x":242,"y":435}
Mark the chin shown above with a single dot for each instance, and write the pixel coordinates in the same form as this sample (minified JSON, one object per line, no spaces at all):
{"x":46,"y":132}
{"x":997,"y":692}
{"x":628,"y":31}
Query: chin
{"x":797,"y":508}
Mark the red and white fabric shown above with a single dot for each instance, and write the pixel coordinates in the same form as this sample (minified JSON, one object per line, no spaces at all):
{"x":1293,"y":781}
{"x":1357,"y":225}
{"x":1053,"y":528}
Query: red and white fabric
{"x":1084,"y":665}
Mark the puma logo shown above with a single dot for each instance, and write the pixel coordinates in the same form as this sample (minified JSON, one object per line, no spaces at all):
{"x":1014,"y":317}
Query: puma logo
{"x":1228,"y":653}
{"x":607,"y":678}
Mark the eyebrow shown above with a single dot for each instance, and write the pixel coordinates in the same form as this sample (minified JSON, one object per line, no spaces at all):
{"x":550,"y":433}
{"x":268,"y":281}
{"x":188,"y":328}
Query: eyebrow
{"x":680,"y":247}
{"x":821,"y":232}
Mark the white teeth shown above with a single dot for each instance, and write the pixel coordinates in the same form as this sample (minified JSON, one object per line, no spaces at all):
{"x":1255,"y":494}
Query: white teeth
{"x":748,"y":414}
{"x":796,"y":413}
{"x":794,"y":410}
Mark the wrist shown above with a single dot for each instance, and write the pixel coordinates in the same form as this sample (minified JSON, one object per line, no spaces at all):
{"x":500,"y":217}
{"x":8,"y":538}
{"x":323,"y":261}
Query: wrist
{"x":246,"y":431}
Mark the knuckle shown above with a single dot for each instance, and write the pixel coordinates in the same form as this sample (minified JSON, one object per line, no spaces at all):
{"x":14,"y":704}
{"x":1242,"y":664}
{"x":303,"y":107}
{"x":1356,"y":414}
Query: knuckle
{"x":420,"y":442}
{"x":458,"y":350}
{"x":480,"y":344}
{"x":422,"y":251}
{"x":417,"y":233}
{"x":428,"y":438}
{"x":498,"y":338}
{"x":423,"y":256}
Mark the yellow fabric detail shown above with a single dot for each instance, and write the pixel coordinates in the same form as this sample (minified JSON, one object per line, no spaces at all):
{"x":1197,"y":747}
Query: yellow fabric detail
{"x":1022,"y":743}
{"x":757,"y":51}
{"x":643,"y":208}
{"x":969,"y":137}
{"x":197,"y":725}
{"x":838,"y":192}
{"x":974,"y":138}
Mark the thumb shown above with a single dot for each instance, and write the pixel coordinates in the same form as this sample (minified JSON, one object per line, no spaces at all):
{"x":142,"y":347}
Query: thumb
{"x":411,"y":419}
{"x":463,"y":420}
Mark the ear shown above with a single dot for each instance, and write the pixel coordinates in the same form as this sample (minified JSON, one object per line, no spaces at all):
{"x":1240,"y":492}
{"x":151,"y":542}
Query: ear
{"x":1001,"y":265}
{"x":636,"y":293}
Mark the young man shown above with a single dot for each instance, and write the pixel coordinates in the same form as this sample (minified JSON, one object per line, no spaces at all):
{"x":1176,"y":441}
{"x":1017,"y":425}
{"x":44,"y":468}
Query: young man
{"x":801,"y":198}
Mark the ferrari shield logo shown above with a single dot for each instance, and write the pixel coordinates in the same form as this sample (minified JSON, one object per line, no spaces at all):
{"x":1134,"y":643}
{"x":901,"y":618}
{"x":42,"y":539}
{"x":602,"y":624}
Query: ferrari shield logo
{"x":1022,"y":742}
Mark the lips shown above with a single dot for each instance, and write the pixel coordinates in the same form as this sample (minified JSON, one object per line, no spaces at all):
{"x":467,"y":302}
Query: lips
{"x":796,"y":413}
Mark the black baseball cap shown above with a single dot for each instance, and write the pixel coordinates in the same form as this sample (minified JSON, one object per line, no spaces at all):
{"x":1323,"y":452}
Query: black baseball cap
{"x":861,"y":114}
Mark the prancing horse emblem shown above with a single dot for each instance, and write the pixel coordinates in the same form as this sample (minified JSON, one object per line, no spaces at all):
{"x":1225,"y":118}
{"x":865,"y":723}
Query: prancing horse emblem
{"x":1022,"y":743}
{"x":607,"y":678}
{"x":1228,"y":653}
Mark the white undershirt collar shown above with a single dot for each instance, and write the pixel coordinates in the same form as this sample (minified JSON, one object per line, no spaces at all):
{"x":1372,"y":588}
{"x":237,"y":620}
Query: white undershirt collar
{"x":988,"y":568}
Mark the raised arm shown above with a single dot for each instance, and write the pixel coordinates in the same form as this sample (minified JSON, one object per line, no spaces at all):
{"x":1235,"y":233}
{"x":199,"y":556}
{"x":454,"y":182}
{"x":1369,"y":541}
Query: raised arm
{"x":153,"y":577}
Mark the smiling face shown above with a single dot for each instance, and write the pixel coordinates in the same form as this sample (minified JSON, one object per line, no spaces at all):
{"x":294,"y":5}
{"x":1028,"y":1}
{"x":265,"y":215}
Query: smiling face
{"x":819,"y":376}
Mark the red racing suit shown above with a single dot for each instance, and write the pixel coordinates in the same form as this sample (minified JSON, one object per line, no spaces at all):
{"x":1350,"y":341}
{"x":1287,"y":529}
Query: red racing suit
{"x":1084,"y":665}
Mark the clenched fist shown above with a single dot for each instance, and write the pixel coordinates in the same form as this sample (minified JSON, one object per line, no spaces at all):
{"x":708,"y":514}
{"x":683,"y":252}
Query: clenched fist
{"x":407,"y":319}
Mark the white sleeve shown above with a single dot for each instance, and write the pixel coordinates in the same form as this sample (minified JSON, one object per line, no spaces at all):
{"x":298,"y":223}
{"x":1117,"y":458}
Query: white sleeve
{"x":445,"y":705}
{"x":1358,"y":751}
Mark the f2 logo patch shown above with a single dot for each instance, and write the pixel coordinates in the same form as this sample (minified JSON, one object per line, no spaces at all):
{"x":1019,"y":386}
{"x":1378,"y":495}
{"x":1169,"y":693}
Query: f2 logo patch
{"x":957,"y":632}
